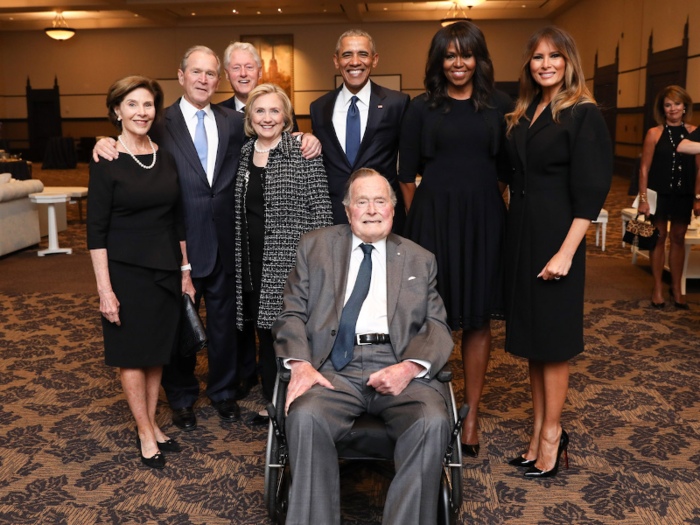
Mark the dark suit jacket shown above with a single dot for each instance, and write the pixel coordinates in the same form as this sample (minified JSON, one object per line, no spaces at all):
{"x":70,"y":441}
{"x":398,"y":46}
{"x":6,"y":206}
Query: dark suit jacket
{"x":209,"y":220}
{"x":379,"y":148}
{"x":231,"y":104}
{"x":315,"y":292}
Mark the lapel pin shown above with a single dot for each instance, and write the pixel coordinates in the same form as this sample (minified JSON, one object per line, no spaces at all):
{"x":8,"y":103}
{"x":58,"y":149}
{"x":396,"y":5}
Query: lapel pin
{"x":380,"y":106}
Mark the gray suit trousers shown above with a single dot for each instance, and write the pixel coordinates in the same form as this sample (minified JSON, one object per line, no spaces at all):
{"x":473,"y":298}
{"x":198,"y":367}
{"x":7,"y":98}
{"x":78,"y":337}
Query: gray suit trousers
{"x":416,"y":420}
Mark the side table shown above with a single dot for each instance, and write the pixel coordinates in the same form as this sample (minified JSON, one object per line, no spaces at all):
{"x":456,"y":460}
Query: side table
{"x":51,"y":199}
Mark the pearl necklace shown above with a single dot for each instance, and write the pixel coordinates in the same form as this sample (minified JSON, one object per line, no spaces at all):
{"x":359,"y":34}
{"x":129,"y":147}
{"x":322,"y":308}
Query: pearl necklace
{"x":134,"y":156}
{"x":255,"y":146}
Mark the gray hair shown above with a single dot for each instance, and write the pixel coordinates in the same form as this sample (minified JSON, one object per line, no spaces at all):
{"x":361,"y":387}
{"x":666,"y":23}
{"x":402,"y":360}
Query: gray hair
{"x":361,"y":174}
{"x":203,"y":49}
{"x":241,"y":46}
{"x":356,"y":32}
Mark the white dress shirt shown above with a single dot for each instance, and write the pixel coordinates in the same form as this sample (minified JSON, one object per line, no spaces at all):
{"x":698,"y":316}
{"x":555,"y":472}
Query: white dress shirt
{"x":340,"y":111}
{"x":240,"y":106}
{"x":190,"y":114}
{"x":373,"y":317}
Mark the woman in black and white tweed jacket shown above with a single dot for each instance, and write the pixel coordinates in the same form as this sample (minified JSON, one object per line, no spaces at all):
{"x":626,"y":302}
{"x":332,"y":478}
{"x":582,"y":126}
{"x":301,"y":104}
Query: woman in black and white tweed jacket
{"x":279,"y":196}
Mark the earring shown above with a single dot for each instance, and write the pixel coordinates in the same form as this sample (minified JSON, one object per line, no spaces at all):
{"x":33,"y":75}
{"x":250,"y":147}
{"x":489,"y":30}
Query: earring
{"x":119,"y":119}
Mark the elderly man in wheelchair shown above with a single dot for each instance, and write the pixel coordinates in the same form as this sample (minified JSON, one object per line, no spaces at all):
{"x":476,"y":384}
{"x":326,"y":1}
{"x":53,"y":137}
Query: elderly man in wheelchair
{"x":363,"y":340}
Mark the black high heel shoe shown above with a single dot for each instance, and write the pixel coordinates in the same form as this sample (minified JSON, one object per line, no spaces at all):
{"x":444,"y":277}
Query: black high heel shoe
{"x":471,"y":450}
{"x":169,"y":446}
{"x":680,"y":306}
{"x":155,"y":461}
{"x":534,"y":472}
{"x":520,"y":461}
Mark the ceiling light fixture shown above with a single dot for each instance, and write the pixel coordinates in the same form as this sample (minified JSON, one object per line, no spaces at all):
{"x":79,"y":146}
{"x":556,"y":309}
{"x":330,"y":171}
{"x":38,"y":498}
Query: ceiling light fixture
{"x":456,"y":12}
{"x":60,"y":29}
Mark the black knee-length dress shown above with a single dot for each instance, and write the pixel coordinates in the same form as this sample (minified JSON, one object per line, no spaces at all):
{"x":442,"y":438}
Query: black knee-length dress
{"x":457,"y":211}
{"x":563,"y":171}
{"x":136,"y":215}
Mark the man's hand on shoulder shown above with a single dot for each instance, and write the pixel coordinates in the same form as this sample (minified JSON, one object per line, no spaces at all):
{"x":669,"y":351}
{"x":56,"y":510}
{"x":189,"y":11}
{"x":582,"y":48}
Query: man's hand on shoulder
{"x":304,"y":376}
{"x":105,"y":148}
{"x":310,"y":146}
{"x":392,"y":380}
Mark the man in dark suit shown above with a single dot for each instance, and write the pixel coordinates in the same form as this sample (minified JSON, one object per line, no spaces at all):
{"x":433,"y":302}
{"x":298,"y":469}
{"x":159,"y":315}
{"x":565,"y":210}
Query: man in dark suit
{"x":363,"y":329}
{"x":206,"y":142}
{"x":358,"y":123}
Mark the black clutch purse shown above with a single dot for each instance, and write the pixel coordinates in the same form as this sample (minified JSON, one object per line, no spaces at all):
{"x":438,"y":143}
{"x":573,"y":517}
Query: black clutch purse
{"x":193,"y":337}
{"x":641,"y":234}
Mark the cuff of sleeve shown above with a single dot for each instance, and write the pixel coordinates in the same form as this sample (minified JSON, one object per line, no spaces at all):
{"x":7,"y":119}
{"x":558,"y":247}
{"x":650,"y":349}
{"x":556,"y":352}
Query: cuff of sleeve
{"x":424,"y":364}
{"x":286,"y":361}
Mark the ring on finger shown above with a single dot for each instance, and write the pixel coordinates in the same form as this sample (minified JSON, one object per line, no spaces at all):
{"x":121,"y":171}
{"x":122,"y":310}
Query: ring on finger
{"x":557,"y":278}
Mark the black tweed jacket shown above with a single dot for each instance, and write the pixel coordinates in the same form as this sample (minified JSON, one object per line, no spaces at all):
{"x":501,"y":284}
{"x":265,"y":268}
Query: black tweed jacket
{"x":296,"y":202}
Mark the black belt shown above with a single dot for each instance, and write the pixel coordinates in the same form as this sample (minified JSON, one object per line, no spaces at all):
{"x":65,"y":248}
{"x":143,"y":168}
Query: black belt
{"x":372,"y":339}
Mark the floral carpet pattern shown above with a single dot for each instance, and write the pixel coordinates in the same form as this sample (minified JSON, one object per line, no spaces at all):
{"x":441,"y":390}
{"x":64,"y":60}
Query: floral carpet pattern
{"x":68,"y":454}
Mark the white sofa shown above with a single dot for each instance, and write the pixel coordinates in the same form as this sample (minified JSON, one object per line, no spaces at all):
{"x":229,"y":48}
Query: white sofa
{"x":19,"y":218}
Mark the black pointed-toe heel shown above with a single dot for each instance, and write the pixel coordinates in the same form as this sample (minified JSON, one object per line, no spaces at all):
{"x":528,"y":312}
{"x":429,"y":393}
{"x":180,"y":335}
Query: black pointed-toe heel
{"x":470,"y":450}
{"x":155,"y":461}
{"x":680,"y":306}
{"x":658,"y":305}
{"x":169,"y":446}
{"x":534,"y":472}
{"x":520,"y":461}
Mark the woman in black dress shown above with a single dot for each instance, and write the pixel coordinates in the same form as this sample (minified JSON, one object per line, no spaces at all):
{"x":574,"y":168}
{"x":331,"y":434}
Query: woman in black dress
{"x":280,"y":195}
{"x":562,"y":156}
{"x":673,"y":176}
{"x":453,"y":136}
{"x":136,"y":235}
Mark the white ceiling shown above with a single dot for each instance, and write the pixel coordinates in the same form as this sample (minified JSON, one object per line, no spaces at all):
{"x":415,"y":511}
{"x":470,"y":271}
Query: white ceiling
{"x":94,"y":14}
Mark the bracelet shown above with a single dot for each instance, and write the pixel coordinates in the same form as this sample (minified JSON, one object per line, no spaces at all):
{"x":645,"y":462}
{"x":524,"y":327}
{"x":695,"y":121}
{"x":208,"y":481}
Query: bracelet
{"x":185,"y":267}
{"x":643,"y":198}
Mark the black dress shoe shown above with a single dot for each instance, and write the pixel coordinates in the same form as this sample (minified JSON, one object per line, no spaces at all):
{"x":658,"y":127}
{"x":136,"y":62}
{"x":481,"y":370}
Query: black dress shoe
{"x":259,"y":419}
{"x":520,"y":461}
{"x":244,"y":387}
{"x":169,"y":446}
{"x":227,"y":409}
{"x":155,"y":461}
{"x":470,"y":450}
{"x":184,"y":419}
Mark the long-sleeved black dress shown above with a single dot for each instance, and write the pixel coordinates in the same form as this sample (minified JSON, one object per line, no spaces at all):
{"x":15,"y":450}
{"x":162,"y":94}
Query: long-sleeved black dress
{"x":561,"y":171}
{"x":136,"y":214}
{"x":458,"y":212}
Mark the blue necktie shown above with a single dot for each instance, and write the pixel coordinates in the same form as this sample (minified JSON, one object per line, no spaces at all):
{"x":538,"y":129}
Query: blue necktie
{"x":200,"y":139}
{"x":344,"y":344}
{"x":352,"y":131}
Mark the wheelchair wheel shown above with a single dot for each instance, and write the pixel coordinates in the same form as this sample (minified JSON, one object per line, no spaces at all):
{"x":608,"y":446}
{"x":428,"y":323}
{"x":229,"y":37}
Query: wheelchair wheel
{"x":444,"y":514}
{"x":272,"y":474}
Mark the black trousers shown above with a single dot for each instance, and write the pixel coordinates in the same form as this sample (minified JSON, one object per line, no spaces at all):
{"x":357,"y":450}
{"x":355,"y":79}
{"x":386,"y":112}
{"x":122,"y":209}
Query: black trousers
{"x":267,"y":364}
{"x":179,"y":382}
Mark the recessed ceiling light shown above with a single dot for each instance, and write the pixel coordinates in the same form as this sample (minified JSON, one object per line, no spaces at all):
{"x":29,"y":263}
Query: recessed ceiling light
{"x":236,"y":12}
{"x":194,"y":14}
{"x":258,"y":12}
{"x":135,"y":15}
{"x":324,"y":10}
{"x":523,"y":5}
{"x":11,"y":18}
{"x":279,"y":10}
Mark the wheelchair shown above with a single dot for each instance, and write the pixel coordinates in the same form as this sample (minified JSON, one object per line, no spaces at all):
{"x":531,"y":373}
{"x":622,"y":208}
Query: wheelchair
{"x":367,"y":440}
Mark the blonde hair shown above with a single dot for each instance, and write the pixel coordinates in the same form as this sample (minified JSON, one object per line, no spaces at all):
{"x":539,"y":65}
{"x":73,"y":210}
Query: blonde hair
{"x":677,"y":94}
{"x":267,"y":89}
{"x":573,"y":91}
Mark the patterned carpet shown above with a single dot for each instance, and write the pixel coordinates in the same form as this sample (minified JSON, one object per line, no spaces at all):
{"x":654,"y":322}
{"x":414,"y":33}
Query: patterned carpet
{"x":68,"y":456}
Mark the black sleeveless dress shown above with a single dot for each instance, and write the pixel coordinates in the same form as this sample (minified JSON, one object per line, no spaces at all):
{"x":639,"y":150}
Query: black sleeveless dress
{"x":672,"y":176}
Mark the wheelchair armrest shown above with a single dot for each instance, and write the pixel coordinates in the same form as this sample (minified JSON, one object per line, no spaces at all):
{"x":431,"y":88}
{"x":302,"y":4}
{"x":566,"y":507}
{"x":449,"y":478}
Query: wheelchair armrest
{"x":445,"y":375}
{"x":285,"y":375}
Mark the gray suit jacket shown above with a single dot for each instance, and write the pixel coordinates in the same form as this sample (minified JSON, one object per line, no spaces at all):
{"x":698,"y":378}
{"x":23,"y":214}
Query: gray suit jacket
{"x":315,"y":290}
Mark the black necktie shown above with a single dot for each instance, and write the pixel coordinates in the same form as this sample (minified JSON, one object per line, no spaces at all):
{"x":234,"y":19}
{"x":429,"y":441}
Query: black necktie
{"x":344,"y":344}
{"x":352,"y":131}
